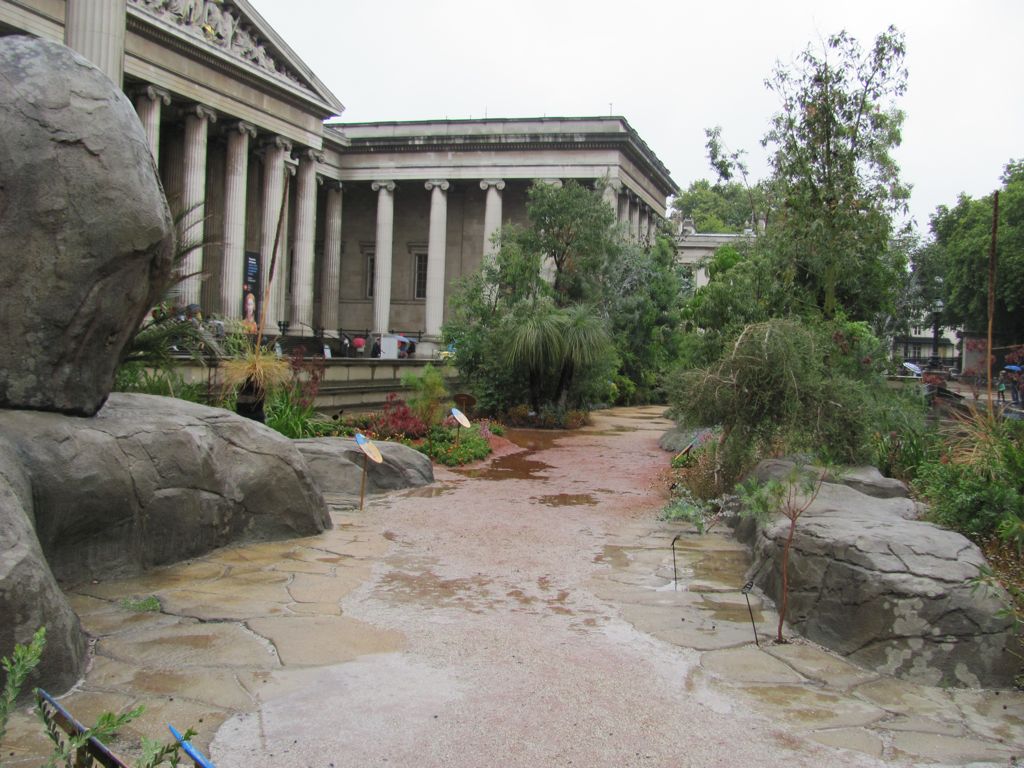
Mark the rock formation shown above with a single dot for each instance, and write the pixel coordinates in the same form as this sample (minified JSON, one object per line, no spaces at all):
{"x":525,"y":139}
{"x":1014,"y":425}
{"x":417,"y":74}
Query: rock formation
{"x":337,"y":465}
{"x":890,"y":592}
{"x":29,"y":595}
{"x":153,"y":480}
{"x":85,"y":233}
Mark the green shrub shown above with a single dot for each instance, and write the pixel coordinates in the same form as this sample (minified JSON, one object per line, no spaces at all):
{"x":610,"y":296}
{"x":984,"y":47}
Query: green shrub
{"x":289,"y":413}
{"x":962,"y":498}
{"x":976,"y":485}
{"x":429,"y":394}
{"x":136,"y":377}
{"x":441,"y":445}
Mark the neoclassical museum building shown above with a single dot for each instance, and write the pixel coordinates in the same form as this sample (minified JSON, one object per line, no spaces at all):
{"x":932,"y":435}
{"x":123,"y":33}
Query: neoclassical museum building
{"x":373,"y":221}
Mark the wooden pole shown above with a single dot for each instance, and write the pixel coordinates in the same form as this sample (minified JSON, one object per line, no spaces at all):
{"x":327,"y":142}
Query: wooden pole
{"x":362,"y":484}
{"x":273,"y":261}
{"x":991,"y":295}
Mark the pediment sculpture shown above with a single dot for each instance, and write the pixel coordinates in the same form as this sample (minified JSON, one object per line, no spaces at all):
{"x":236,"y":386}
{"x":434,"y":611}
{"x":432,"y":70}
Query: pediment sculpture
{"x":219,"y":24}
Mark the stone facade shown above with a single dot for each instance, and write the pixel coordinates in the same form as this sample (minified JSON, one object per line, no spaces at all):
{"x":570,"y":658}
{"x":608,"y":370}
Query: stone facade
{"x":376,"y":219}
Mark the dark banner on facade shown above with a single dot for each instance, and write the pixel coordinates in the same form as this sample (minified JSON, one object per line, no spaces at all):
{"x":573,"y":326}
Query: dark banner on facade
{"x":251,"y":292}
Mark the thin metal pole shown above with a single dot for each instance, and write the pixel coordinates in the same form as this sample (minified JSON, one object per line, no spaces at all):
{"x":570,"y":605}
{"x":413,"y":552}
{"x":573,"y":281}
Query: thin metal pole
{"x":675,"y":573}
{"x":746,"y":594}
{"x":991,"y":294}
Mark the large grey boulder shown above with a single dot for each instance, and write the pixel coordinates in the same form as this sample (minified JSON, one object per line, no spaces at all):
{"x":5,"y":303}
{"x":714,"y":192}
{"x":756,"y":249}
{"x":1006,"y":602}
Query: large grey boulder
{"x":337,"y":465}
{"x":890,"y":592}
{"x":153,"y":480}
{"x":86,"y":245}
{"x":29,"y":595}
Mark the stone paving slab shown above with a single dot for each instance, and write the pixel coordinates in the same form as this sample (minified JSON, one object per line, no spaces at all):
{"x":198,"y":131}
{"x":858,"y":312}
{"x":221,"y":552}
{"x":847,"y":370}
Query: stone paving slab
{"x":323,"y":640}
{"x":821,"y":666}
{"x":855,"y":739}
{"x":836,"y":702}
{"x":950,"y":749}
{"x":749,"y":665}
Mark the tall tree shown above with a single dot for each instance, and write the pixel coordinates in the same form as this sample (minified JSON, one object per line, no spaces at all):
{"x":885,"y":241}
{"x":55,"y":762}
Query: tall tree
{"x":957,"y":258}
{"x":834,"y":180}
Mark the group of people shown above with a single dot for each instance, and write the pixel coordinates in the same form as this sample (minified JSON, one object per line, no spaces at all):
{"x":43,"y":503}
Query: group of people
{"x":406,"y":347}
{"x":1010,"y":381}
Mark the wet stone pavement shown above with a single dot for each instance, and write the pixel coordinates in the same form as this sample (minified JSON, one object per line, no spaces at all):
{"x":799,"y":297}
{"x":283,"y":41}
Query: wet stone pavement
{"x":519,"y":613}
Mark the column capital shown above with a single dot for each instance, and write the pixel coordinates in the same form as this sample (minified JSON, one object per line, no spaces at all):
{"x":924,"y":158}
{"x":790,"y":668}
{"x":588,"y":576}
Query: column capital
{"x":329,"y":184}
{"x":308,"y":153}
{"x":153,"y":93}
{"x":275,"y":142}
{"x":241,"y":126}
{"x":441,"y":184}
{"x":613,"y":184}
{"x":498,"y":184}
{"x":386,"y":185}
{"x":200,"y":111}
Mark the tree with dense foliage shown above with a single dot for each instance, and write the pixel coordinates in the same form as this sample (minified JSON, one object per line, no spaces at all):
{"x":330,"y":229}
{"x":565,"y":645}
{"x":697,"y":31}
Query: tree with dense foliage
{"x":781,"y":352}
{"x":786,"y":384}
{"x":606,"y":322}
{"x":722,"y":207}
{"x":955,"y":263}
{"x":835,"y":185}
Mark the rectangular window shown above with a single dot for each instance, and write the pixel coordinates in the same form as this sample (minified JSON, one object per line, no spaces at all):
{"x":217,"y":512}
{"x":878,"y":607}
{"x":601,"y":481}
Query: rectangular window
{"x":370,"y":266}
{"x":419,"y":276}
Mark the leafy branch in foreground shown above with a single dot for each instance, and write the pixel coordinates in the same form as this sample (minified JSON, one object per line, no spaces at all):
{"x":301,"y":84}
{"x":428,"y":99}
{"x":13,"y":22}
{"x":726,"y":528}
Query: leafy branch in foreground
{"x":17,"y":668}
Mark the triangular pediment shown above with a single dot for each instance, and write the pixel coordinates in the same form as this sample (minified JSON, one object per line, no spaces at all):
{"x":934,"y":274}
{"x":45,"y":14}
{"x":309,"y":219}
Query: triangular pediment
{"x":234,"y":29}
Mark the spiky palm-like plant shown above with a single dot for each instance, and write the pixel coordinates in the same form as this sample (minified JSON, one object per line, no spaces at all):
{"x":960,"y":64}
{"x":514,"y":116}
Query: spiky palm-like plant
{"x":533,"y":335}
{"x":585,"y":341}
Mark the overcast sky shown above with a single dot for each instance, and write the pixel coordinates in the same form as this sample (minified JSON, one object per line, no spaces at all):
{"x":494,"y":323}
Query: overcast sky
{"x":672,"y":69}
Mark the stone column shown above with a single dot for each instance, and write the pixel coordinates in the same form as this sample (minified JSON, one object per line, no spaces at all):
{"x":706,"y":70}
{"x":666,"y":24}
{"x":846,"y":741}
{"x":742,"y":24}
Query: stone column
{"x":235,"y":178}
{"x":634,"y":217}
{"x":492,"y":215}
{"x":610,"y":194}
{"x":437,"y":246}
{"x":330,"y":279}
{"x":305,"y":236}
{"x":623,"y":208}
{"x":382,"y":255}
{"x":193,"y":200}
{"x":148,"y":103}
{"x":274,"y":153}
{"x":95,"y":28}
{"x":645,"y":218}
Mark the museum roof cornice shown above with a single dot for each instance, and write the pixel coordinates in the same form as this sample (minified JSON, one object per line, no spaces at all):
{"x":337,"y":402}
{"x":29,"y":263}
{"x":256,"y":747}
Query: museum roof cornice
{"x":504,"y":135}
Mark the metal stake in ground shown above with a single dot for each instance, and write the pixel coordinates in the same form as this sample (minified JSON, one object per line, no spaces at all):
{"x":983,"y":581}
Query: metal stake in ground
{"x":675,"y":573}
{"x":746,"y":593}
{"x":370,"y":451}
{"x":461,"y":421}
